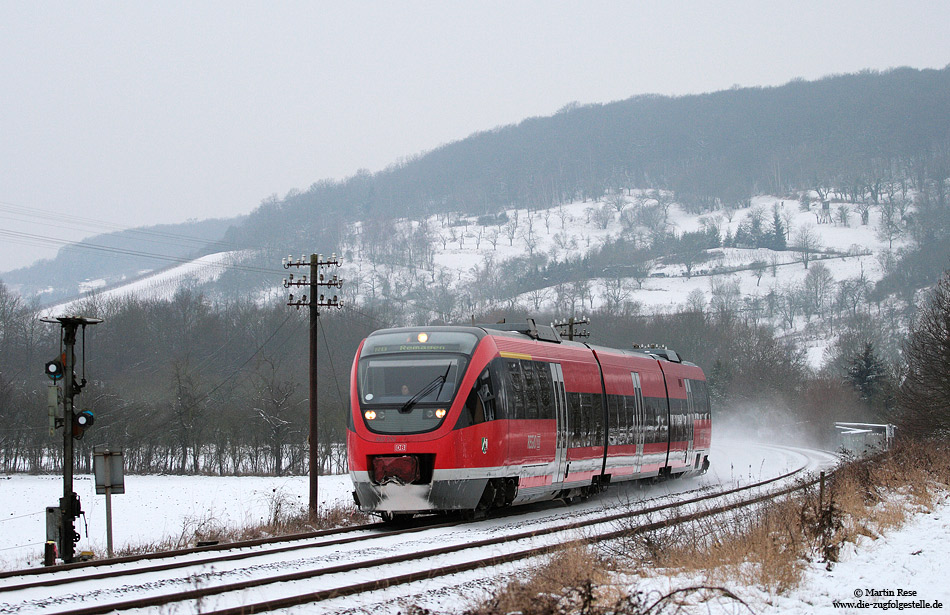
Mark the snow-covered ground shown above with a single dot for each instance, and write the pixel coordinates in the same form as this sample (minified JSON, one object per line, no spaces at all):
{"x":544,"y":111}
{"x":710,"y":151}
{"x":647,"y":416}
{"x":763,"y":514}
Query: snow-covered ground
{"x":903,"y":566}
{"x":151,"y":509}
{"x":910,"y":559}
{"x":904,"y":569}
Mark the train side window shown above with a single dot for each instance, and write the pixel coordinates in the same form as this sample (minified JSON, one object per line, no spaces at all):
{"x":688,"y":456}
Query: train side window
{"x":545,"y":391}
{"x":587,"y":424}
{"x":516,"y":402}
{"x":530,"y":389}
{"x":576,"y":419}
{"x":597,"y":419}
{"x":614,"y":413}
{"x":623,"y":419}
{"x":481,"y":400}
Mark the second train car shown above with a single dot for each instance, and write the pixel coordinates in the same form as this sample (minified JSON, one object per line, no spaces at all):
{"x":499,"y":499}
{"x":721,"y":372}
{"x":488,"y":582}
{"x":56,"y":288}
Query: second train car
{"x":471,"y":418}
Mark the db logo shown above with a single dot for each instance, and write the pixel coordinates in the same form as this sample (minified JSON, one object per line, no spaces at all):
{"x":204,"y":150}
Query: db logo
{"x":400,"y":448}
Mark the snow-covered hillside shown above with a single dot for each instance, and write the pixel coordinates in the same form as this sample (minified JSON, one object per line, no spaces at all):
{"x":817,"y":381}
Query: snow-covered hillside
{"x":448,"y":267}
{"x":468,"y":256}
{"x":156,"y":285}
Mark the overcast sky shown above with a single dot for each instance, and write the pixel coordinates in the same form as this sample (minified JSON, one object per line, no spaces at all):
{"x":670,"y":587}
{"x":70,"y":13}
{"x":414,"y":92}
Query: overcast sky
{"x":135,"y":113}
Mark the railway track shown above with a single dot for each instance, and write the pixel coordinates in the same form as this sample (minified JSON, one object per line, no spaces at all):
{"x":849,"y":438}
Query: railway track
{"x":325,"y":566}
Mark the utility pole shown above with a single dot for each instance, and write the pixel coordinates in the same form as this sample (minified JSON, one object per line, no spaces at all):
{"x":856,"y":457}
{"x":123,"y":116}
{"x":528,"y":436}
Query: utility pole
{"x":73,"y":423}
{"x":318,"y":279}
{"x":571,"y":325}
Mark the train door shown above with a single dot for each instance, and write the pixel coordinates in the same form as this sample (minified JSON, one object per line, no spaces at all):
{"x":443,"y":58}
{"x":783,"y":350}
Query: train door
{"x":560,"y":404}
{"x":689,"y":418}
{"x":638,"y":419}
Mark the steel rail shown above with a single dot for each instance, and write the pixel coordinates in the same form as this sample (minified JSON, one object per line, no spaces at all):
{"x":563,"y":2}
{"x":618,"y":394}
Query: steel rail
{"x":195,"y":594}
{"x":126,"y":559}
{"x":227,"y":557}
{"x":495,"y":560}
{"x":417,"y":525}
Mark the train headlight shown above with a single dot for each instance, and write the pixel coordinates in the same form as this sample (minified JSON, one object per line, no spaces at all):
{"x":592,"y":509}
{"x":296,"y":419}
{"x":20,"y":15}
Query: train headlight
{"x":423,"y":338}
{"x":440,"y":413}
{"x":370,"y":415}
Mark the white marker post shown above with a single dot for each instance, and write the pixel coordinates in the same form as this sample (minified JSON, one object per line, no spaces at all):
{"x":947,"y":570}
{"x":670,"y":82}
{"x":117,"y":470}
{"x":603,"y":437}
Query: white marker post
{"x":108,"y":466}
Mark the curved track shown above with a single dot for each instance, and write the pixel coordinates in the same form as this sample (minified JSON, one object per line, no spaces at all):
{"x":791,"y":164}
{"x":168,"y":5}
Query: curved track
{"x":322,"y":567}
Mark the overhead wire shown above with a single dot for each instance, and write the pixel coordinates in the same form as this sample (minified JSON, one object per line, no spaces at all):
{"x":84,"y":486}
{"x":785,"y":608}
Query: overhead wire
{"x":326,"y":346}
{"x":53,"y":219}
{"x":246,"y":361}
{"x":18,"y":212}
{"x":128,"y":252}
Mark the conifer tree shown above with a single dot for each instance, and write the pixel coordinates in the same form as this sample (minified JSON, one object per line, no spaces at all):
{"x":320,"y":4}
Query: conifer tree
{"x":925,"y":392}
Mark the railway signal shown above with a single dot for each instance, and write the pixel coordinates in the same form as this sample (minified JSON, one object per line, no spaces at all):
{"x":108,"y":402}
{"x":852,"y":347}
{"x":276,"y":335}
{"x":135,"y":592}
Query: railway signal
{"x":55,"y":370}
{"x":318,"y":280}
{"x":62,"y":530}
{"x":82,"y":421}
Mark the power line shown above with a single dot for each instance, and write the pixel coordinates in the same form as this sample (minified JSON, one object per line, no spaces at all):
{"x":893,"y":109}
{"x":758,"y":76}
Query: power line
{"x":127,"y":252}
{"x":18,"y":212}
{"x":248,"y":360}
{"x":326,"y":346}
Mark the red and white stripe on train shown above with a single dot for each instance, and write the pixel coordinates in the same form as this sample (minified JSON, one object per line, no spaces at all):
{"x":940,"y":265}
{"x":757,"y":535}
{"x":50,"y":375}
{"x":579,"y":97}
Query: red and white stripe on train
{"x":471,"y":418}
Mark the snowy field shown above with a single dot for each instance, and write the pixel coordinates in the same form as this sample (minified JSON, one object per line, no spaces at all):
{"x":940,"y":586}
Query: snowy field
{"x":912,"y":559}
{"x":151,"y":509}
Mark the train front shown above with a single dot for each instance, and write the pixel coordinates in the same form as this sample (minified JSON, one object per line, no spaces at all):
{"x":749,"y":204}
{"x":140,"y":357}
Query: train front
{"x":413,"y":393}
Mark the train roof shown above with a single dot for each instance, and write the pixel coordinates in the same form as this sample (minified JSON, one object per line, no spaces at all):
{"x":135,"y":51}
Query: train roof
{"x":547,"y":333}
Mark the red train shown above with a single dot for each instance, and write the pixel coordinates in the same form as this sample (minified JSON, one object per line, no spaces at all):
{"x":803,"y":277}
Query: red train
{"x":457,"y":418}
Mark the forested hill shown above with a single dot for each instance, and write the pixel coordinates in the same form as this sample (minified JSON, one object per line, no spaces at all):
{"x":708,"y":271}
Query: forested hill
{"x":846,"y":135}
{"x":842,"y":133}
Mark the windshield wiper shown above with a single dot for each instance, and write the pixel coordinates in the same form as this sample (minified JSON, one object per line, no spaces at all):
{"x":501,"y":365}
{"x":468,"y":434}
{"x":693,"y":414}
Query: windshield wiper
{"x":438,"y":382}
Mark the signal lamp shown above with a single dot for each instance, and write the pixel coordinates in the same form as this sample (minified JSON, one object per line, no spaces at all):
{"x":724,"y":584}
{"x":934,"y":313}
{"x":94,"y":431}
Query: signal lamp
{"x":423,"y":338}
{"x":81,"y":421}
{"x":55,"y":369}
{"x":370,"y":415}
{"x":440,"y":413}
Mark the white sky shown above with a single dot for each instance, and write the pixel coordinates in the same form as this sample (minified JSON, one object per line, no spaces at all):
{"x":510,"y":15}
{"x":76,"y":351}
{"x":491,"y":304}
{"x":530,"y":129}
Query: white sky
{"x":133,"y":113}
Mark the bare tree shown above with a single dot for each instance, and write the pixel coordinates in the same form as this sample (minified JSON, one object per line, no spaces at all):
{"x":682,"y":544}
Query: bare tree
{"x":537,"y":297}
{"x":696,"y":301}
{"x":530,"y":237}
{"x":891,"y":225}
{"x":479,"y":231}
{"x":546,"y":216}
{"x":640,"y":272}
{"x":817,"y":286}
{"x":511,"y":228}
{"x":618,"y":201}
{"x":758,"y":270}
{"x":274,"y":405}
{"x":602,"y":216}
{"x":616,"y":293}
{"x":806,"y":243}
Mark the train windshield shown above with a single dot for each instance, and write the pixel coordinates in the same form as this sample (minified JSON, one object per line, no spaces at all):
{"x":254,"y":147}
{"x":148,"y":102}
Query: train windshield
{"x":406,"y":381}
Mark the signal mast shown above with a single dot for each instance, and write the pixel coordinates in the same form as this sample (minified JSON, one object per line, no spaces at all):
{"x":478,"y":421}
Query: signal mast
{"x":74,"y":424}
